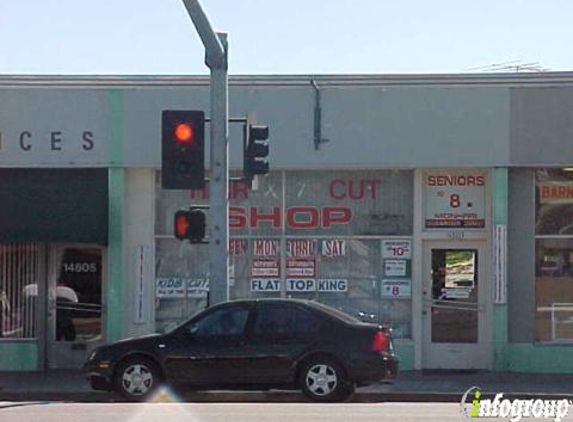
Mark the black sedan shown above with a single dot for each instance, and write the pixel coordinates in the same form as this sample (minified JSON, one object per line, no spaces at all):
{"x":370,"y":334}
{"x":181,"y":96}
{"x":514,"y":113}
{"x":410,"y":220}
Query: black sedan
{"x":251,"y":344}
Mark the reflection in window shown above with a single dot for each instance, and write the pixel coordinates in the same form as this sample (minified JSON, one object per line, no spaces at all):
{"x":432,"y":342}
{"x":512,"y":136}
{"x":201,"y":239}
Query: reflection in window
{"x":19,"y":275}
{"x":284,"y":321}
{"x":222,"y":322}
{"x":554,"y":289}
{"x":454,"y":296}
{"x":554,"y":255}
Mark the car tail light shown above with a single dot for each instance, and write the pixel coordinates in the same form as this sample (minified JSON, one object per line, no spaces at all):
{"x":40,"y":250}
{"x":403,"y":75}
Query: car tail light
{"x":380,"y":342}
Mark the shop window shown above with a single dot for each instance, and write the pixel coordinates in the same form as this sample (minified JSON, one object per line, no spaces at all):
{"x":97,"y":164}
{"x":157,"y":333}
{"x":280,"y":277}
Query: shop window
{"x":554,"y":255}
{"x":180,"y":285}
{"x":19,"y":268}
{"x":301,"y":234}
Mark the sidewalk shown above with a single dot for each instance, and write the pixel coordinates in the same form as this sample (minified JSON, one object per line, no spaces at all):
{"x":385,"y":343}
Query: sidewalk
{"x":415,"y":386}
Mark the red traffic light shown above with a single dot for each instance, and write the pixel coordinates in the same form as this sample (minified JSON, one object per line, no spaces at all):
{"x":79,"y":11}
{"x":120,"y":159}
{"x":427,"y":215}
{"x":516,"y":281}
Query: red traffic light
{"x":184,"y":133}
{"x":190,"y":225}
{"x":182,"y":225}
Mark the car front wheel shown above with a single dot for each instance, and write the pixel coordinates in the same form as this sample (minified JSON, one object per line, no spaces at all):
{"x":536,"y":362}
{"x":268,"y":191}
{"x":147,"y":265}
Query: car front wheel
{"x":137,"y":378}
{"x":324,"y":380}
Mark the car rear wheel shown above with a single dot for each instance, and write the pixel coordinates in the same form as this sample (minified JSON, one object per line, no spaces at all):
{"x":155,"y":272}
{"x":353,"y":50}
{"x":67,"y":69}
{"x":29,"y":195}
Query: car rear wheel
{"x":137,"y":378}
{"x":324,"y":379}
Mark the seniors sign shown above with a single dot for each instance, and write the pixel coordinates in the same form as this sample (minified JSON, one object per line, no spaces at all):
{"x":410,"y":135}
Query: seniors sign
{"x":455,"y":199}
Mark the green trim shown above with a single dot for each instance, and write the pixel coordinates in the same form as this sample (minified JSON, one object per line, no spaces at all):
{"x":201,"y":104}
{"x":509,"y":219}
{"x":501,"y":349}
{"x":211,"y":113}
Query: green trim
{"x":500,"y":195}
{"x":540,"y":358}
{"x":499,"y":318}
{"x":116,"y":185}
{"x":406,"y":354}
{"x":19,"y":356}
{"x":500,"y":354}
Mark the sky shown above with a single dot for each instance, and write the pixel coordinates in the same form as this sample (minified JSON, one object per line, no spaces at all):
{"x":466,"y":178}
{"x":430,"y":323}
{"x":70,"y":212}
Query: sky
{"x":157,"y":37}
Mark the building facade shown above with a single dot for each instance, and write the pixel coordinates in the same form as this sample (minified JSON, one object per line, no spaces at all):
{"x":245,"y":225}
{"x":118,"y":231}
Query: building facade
{"x":441,"y":206}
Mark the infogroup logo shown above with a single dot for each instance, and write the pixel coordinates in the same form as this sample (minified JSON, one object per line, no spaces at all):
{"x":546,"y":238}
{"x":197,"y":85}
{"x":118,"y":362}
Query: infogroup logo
{"x":473,"y":405}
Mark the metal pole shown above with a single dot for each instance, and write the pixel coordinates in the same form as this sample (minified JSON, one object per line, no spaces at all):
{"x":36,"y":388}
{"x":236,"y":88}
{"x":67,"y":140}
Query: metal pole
{"x":216,"y":59}
{"x":219,"y":186}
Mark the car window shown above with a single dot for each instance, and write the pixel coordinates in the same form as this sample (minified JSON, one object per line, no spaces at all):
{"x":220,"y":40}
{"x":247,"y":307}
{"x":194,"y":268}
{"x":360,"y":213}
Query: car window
{"x":228,"y":321}
{"x":277,"y":320}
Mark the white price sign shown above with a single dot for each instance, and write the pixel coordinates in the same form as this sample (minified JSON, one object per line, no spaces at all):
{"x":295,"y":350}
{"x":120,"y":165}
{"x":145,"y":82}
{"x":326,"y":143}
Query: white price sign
{"x":397,"y":288}
{"x":397,"y":249}
{"x":395,"y":267}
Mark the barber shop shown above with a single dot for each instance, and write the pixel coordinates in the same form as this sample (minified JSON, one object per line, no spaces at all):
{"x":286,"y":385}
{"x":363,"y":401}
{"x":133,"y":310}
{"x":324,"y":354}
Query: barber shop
{"x":440,"y":206}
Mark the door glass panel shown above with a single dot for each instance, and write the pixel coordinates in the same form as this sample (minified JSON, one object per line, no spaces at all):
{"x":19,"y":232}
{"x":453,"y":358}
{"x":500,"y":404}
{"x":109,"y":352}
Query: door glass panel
{"x":454,"y":296}
{"x":78,"y":295}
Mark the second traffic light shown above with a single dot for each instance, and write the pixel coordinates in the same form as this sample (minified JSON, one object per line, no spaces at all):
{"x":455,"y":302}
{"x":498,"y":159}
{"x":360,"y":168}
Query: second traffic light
{"x":183,"y":149}
{"x":255,"y":150}
{"x":190,"y":225}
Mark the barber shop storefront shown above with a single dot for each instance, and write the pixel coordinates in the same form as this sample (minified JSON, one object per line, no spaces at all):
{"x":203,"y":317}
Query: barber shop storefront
{"x":432,"y":209}
{"x":52,"y":261}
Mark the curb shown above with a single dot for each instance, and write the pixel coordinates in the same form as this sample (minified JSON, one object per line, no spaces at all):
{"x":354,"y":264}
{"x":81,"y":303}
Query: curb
{"x":260,"y":397}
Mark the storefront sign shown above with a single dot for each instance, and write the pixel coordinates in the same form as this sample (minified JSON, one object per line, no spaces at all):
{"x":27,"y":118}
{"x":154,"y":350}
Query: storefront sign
{"x":180,"y":287}
{"x":266,"y":247}
{"x":297,"y":217}
{"x":170,"y":288}
{"x":397,"y":289}
{"x":238,"y":246}
{"x":197,"y":287}
{"x":395,"y":268}
{"x":455,"y":199}
{"x":300,"y":285}
{"x":332,"y":285}
{"x":333,"y":247}
{"x":556,"y":192}
{"x":301,"y":268}
{"x":397,"y":249}
{"x":265,"y":285}
{"x":301,"y":248}
{"x":265,"y":268}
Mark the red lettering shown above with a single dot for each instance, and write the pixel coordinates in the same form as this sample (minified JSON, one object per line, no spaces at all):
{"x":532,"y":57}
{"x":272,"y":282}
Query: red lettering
{"x":238,"y":246}
{"x":237,"y":217}
{"x":238,"y":190}
{"x":335,"y":215}
{"x":274,"y":217}
{"x":332,"y":186}
{"x":351,"y":192}
{"x":455,"y":180}
{"x":294,"y":214}
{"x":266,"y":247}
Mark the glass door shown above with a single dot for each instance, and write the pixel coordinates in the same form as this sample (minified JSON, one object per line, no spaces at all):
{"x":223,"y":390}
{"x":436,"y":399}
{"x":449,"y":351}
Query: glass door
{"x":455,"y":306}
{"x":74,"y":304}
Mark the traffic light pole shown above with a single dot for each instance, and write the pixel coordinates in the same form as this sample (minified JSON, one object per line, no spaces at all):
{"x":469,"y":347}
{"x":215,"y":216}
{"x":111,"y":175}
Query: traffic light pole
{"x":216,"y":59}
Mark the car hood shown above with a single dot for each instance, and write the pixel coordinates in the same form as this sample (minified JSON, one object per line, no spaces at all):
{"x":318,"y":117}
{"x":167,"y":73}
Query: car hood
{"x":148,"y":339}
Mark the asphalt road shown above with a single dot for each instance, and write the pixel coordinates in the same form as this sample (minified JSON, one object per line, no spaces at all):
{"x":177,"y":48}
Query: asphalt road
{"x":230,"y":412}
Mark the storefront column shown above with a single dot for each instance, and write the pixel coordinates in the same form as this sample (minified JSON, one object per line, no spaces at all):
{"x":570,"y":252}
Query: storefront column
{"x":500,"y":217}
{"x":115,"y":277}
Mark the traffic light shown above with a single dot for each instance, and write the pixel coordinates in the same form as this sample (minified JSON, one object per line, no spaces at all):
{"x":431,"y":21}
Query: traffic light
{"x":183,"y":149}
{"x":255,"y":150}
{"x":190,"y":225}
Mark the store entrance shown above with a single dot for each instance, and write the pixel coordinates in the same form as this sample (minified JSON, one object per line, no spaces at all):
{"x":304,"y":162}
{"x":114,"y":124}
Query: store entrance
{"x":75,"y":286}
{"x":456,"y":306}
